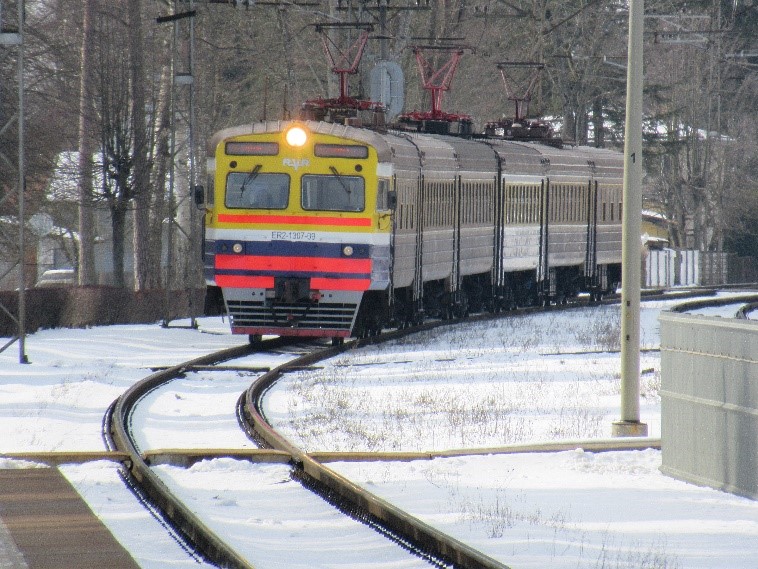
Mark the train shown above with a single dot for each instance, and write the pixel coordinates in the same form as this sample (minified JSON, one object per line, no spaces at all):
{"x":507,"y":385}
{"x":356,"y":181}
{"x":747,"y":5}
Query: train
{"x":333,"y":230}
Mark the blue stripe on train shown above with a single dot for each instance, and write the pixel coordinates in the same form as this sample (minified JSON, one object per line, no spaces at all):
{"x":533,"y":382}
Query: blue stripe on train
{"x":295,"y":249}
{"x":301,"y":274}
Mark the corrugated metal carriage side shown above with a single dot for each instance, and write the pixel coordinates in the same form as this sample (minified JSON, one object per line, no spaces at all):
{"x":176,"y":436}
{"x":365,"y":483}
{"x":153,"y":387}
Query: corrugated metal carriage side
{"x":555,"y":199}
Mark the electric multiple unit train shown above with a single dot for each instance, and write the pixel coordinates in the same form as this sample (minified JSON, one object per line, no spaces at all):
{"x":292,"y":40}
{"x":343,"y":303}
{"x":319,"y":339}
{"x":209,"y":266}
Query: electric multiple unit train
{"x":323,"y":229}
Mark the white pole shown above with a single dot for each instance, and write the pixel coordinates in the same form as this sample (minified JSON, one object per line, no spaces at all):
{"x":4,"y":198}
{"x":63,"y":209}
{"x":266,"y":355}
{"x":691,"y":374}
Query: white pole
{"x":631,"y":248}
{"x":22,"y":358}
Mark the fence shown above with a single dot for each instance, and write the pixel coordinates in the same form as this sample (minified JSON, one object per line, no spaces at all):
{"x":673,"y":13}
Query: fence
{"x":709,"y":401}
{"x":72,"y":307}
{"x":666,"y":268}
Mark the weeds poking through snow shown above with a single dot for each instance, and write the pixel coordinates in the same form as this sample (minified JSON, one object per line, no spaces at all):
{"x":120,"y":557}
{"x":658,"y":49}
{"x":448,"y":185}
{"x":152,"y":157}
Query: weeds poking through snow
{"x":509,"y":381}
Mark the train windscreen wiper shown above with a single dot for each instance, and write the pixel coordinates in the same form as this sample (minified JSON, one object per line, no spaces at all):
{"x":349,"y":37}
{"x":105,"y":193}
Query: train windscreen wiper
{"x":345,"y":187}
{"x":252,"y":175}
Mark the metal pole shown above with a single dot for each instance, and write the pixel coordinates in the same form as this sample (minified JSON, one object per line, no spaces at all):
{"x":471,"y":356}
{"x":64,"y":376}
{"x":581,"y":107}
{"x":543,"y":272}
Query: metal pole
{"x":383,"y":42}
{"x":171,"y":173}
{"x":193,"y":239}
{"x":10,"y":39}
{"x":631,"y":247}
{"x":181,"y":78}
{"x":21,"y":191}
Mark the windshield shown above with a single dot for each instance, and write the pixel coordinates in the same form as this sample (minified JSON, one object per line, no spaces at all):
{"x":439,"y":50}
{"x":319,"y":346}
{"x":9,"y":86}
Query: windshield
{"x":253,"y":190}
{"x":333,"y":193}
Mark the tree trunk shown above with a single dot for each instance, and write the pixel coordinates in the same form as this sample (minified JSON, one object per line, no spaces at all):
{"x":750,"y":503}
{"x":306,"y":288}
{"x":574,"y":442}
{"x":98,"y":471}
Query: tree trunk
{"x":290,"y":89}
{"x":569,"y":122}
{"x":597,"y":122}
{"x":161,"y":165}
{"x":141,"y":186}
{"x":86,"y":252}
{"x":118,"y":224}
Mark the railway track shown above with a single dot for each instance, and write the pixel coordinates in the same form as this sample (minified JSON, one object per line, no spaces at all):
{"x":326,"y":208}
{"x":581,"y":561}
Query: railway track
{"x":146,"y":484}
{"x":412,"y":535}
{"x":310,"y":468}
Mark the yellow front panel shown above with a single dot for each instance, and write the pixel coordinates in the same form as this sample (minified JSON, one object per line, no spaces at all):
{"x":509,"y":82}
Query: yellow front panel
{"x":300,"y":165}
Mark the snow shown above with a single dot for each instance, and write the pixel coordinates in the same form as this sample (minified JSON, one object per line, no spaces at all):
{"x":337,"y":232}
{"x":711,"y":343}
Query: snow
{"x":58,"y":401}
{"x":527,"y":379}
{"x":507,"y":381}
{"x":196,"y":411}
{"x":258,"y":499}
{"x":571,"y":509}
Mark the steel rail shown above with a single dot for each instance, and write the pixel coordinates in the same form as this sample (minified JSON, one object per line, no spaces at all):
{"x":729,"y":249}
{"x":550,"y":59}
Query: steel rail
{"x":407,"y":530}
{"x":208,"y":542}
{"x":748,"y":302}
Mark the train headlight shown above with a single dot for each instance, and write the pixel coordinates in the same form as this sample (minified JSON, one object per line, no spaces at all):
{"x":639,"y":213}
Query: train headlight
{"x":347,"y":250}
{"x":237,"y":247}
{"x":296,"y":136}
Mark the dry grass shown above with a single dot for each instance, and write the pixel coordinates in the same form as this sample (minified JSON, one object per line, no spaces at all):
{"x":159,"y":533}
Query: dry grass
{"x":458,"y":394}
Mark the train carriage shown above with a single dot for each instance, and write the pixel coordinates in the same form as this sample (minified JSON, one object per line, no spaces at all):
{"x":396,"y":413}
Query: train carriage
{"x":561,"y":217}
{"x":345,"y":230}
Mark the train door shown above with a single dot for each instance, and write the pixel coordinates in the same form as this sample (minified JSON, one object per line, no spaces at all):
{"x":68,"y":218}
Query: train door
{"x":543,"y":275}
{"x":418,"y":277}
{"x":502,"y":293}
{"x":590,"y":262}
{"x":458,"y":302}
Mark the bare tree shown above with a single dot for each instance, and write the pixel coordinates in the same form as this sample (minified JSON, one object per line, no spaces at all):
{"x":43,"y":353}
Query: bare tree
{"x":116,"y":137}
{"x":248,"y":61}
{"x":161,"y":164}
{"x":693,"y":159}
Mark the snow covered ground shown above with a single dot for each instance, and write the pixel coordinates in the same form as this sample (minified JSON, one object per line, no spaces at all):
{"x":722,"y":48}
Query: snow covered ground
{"x":524,"y":379}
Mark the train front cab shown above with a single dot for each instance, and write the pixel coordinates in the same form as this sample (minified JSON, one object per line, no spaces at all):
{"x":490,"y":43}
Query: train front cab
{"x":298,"y":232}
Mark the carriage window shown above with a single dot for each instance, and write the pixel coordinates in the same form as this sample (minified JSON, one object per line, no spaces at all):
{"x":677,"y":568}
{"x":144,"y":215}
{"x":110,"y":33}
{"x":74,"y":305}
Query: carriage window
{"x":382,"y":195}
{"x":253,"y":190}
{"x":210,"y":193}
{"x":333,"y":193}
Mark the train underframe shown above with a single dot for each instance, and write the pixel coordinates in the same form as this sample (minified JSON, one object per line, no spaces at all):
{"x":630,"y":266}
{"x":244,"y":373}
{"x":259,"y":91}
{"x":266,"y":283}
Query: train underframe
{"x":478,"y":294}
{"x":336,"y":315}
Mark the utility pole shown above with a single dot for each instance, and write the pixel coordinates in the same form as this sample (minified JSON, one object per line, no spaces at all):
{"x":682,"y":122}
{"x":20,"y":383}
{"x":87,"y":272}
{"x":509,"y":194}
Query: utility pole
{"x":182,"y":113}
{"x":386,"y":77}
{"x":12,"y":36}
{"x":631,"y":248}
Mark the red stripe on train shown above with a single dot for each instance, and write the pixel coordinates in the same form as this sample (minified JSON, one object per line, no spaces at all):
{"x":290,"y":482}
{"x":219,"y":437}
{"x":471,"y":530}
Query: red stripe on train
{"x":274,"y":263}
{"x":317,"y":283}
{"x":241,"y":281}
{"x":340,"y":284}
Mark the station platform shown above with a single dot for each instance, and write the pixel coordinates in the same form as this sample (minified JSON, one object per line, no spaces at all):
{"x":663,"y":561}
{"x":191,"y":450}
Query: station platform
{"x":45,"y":524}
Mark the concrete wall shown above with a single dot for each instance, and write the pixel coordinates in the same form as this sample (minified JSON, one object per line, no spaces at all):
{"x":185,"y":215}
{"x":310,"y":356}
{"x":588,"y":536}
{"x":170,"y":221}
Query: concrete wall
{"x":709,"y":401}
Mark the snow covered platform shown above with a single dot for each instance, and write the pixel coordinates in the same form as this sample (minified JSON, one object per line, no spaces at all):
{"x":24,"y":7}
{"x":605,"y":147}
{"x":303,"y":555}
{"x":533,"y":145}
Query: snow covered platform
{"x":44,"y":523}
